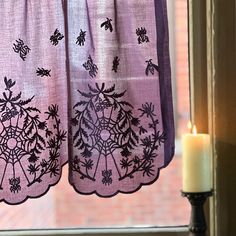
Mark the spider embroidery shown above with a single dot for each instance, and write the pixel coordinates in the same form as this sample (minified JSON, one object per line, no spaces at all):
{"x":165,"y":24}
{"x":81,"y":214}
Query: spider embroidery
{"x":15,"y":184}
{"x":142,"y":37}
{"x":21,"y":48}
{"x":107,"y":180}
{"x":81,"y":38}
{"x":107,"y":24}
{"x":43,"y":72}
{"x":9,"y":114}
{"x":91,"y":67}
{"x":56,"y":37}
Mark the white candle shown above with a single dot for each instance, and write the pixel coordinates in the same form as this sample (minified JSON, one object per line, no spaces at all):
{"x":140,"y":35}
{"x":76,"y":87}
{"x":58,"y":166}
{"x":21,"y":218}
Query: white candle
{"x":196,"y":163}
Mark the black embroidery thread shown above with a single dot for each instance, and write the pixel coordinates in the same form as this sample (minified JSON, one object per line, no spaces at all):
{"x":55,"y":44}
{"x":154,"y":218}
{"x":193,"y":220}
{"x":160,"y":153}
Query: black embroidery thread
{"x":107,"y":24}
{"x":142,"y":37}
{"x":56,"y":37}
{"x":107,"y":179}
{"x":21,"y":48}
{"x":116,"y":62}
{"x":22,"y":139}
{"x":91,"y":67}
{"x":43,"y":72}
{"x":15,"y":184}
{"x":81,"y":38}
{"x":151,"y":67}
{"x":97,"y":132}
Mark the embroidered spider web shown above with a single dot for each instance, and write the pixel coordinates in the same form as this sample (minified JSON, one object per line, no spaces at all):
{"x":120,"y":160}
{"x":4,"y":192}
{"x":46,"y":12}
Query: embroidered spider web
{"x":106,"y":131}
{"x":14,"y":144}
{"x":29,"y":148}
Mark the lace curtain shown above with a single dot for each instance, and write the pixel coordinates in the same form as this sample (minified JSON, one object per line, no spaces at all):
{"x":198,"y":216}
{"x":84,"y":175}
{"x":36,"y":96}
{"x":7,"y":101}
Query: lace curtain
{"x":86,"y":83}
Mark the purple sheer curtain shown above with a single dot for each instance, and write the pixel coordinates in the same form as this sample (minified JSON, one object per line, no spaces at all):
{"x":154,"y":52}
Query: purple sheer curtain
{"x":88,"y":83}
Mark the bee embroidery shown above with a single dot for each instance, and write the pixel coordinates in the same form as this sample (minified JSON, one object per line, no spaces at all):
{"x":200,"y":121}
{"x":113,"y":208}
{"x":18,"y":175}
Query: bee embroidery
{"x":107,"y":24}
{"x":151,"y":67}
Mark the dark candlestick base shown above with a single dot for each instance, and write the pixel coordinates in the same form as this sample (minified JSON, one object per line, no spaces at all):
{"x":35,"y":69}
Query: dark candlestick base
{"x":197,"y":224}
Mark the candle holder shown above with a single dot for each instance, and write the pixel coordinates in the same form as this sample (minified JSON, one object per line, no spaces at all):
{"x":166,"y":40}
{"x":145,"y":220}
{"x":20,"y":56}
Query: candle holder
{"x":197,"y":225}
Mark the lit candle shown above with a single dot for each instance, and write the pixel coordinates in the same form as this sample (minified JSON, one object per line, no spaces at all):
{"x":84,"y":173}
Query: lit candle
{"x":196,"y":162}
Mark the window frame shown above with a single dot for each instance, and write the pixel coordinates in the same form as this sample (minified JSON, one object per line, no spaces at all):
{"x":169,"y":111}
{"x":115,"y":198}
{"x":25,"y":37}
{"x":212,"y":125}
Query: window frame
{"x":198,"y":76}
{"x":140,"y":231}
{"x":221,"y":42}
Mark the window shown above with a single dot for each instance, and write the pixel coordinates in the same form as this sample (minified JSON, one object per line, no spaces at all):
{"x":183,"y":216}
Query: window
{"x":157,"y":205}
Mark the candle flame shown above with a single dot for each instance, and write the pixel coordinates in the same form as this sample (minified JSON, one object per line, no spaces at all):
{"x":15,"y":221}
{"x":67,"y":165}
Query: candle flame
{"x":194,"y":130}
{"x":189,"y":125}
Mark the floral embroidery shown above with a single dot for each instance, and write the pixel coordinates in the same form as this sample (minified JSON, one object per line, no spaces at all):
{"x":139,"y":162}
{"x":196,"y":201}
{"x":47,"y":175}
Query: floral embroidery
{"x":21,"y":48}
